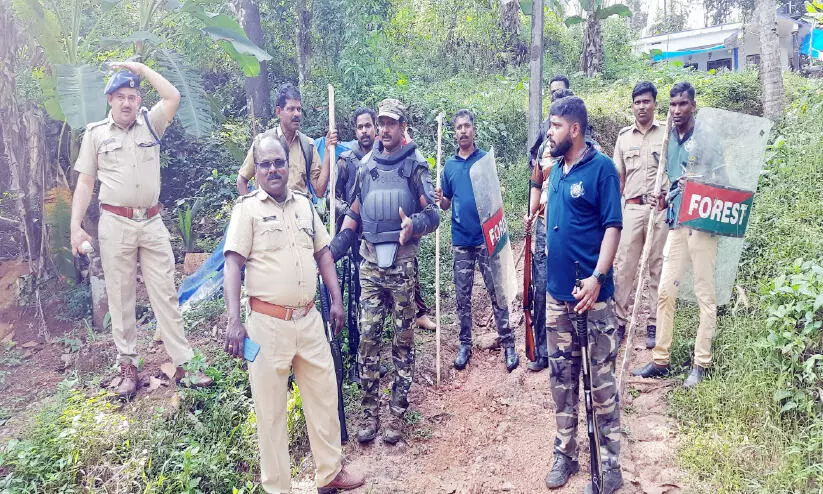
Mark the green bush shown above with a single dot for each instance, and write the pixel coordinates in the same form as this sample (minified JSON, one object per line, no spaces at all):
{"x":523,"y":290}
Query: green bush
{"x":793,"y":303}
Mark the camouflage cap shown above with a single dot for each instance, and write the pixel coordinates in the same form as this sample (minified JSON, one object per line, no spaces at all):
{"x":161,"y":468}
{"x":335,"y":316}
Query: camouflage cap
{"x":124,"y":78}
{"x":391,"y":108}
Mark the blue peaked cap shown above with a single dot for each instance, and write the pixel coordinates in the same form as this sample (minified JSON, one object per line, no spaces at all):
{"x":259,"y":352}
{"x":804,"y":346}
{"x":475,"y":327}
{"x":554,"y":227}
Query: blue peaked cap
{"x":124,"y":78}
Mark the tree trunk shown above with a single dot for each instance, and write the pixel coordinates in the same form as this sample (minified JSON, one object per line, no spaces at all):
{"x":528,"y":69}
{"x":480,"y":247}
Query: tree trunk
{"x":510,"y":29}
{"x":258,"y":95}
{"x":536,"y":72}
{"x":771,"y":73}
{"x":21,"y":154}
{"x":591,"y":60}
{"x":303,"y":41}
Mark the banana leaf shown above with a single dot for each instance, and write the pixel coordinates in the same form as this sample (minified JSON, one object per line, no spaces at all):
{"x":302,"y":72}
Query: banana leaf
{"x":80,"y":92}
{"x":44,"y":26}
{"x":617,"y":9}
{"x":194,"y":112}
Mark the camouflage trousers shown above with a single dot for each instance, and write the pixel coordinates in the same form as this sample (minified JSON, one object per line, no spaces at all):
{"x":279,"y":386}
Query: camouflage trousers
{"x":564,"y":366}
{"x":539,"y":283}
{"x":382,"y":290}
{"x":465,"y":259}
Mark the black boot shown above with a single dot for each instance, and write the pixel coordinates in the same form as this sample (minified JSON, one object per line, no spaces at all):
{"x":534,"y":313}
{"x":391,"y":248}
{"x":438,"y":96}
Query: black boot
{"x":695,"y":377}
{"x":621,"y":333}
{"x":652,"y":370}
{"x":651,"y":335}
{"x":511,"y":357}
{"x":612,"y":480}
{"x":539,"y":364}
{"x":463,"y":356}
{"x":563,"y":468}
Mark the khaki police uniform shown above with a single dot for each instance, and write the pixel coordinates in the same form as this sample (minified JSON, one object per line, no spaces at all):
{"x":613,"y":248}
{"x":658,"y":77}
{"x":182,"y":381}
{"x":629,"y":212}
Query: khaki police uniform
{"x":279,"y":242}
{"x":634,"y":158}
{"x":127,"y":163}
{"x":297,"y":162}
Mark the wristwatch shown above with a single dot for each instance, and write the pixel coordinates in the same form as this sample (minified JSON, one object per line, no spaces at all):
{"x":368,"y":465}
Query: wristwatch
{"x":600,"y":277}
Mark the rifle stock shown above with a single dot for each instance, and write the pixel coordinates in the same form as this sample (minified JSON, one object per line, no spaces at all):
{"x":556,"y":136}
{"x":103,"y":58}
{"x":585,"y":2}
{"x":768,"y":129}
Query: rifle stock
{"x":337,"y":357}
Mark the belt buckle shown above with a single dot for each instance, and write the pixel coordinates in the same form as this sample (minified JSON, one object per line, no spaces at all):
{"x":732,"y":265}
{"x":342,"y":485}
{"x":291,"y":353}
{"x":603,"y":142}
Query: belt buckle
{"x":644,"y":199}
{"x":140,"y":214}
{"x":299,"y":312}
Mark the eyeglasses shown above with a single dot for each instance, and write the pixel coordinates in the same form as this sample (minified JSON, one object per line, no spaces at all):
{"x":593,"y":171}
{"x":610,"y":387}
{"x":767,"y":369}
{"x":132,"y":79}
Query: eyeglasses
{"x":270,"y":165}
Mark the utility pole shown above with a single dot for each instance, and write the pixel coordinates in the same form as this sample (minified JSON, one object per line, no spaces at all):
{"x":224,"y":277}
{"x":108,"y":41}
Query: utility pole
{"x":536,"y":71}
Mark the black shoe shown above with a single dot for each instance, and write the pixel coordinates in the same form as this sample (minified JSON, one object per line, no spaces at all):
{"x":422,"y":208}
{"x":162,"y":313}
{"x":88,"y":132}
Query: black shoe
{"x":695,"y":376}
{"x":621,"y":333}
{"x":652,"y":370}
{"x":354,"y":374}
{"x":369,"y":430}
{"x":539,"y":364}
{"x":563,"y":468}
{"x":463,"y":356}
{"x":612,"y":480}
{"x":651,"y":334}
{"x":511,"y":357}
{"x":384,"y":369}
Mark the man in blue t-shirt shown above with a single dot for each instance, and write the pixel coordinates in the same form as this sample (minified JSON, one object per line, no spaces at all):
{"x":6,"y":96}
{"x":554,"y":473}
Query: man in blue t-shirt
{"x":583,"y":226}
{"x":469,"y":247}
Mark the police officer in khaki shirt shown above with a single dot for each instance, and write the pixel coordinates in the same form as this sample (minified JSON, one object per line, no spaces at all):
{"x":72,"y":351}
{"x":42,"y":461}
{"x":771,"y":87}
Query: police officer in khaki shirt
{"x":123,"y":151}
{"x":638,"y":149}
{"x":277,"y":234}
{"x":300,"y":147}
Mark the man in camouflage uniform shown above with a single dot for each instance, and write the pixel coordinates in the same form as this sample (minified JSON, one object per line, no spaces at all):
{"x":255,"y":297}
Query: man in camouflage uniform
{"x":393,"y":181}
{"x":583,"y":220}
{"x":469,"y":247}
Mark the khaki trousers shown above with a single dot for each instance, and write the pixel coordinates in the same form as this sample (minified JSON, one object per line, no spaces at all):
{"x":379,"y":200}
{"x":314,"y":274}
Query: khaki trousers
{"x":685,"y":245}
{"x":122,"y":243}
{"x":300,"y":344}
{"x":627,"y":260}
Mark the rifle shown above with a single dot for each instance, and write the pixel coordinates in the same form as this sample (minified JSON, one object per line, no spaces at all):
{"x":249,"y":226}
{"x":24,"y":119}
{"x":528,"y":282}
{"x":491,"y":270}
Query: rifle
{"x":528,"y":301}
{"x":336,"y":354}
{"x":352,"y":313}
{"x":591,"y":418}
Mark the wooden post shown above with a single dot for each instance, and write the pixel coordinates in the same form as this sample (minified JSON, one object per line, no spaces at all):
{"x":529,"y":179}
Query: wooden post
{"x":332,"y":165}
{"x":437,"y":250}
{"x":536,"y":72}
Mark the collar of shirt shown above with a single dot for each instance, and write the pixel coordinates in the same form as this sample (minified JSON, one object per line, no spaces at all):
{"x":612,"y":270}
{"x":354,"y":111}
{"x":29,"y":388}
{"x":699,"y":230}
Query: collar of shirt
{"x":262,"y":195}
{"x":138,"y":120}
{"x":655,"y":124}
{"x":685,"y":138}
{"x":584,"y":158}
{"x":280,"y":133}
{"x":469,"y":158}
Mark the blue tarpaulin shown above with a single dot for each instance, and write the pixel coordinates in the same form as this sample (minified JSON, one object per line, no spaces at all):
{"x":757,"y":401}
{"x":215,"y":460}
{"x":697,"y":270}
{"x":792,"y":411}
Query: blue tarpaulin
{"x":207,"y":281}
{"x":674,"y":54}
{"x":813,"y":41}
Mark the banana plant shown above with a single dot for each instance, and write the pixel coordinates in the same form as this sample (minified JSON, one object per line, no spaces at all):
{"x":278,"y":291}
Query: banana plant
{"x":73,"y":89}
{"x":591,"y":59}
{"x":185,"y":213}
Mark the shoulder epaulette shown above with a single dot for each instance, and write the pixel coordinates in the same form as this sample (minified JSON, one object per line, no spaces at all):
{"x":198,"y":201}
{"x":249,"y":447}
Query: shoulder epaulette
{"x":97,"y":124}
{"x":245,"y":196}
{"x":625,"y":129}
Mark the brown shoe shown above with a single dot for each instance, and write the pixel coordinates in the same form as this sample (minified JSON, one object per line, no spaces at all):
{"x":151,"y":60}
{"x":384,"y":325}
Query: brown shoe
{"x":424,"y":322}
{"x":344,"y":480}
{"x":196,"y":380}
{"x":128,"y":384}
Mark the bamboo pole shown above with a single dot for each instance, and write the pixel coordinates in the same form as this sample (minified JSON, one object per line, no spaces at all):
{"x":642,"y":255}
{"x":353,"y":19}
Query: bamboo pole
{"x":644,"y":259}
{"x":437,"y":250}
{"x":332,"y":165}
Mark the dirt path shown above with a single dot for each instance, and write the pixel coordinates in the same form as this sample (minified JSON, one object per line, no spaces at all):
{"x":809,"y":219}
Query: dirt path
{"x":485,"y":430}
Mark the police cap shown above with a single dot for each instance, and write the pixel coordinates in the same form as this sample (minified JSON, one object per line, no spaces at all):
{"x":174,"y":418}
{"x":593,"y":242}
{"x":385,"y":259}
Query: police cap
{"x":124,"y":78}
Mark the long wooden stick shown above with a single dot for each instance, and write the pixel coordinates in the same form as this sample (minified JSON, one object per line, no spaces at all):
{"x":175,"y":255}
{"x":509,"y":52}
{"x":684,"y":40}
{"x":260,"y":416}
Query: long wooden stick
{"x":644,"y":259}
{"x":437,"y":250}
{"x":332,"y":165}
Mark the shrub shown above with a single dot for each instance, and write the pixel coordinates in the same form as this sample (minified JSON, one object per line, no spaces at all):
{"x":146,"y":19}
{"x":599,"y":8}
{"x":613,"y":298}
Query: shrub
{"x":793,"y":303}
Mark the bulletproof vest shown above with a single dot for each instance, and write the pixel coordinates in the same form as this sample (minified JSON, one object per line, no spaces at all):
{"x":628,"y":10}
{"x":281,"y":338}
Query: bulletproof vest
{"x":352,"y":164}
{"x":385,"y":189}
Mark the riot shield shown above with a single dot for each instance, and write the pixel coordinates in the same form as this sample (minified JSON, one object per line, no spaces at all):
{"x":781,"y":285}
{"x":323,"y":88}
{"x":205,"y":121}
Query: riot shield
{"x":489,"y":200}
{"x":721,"y":204}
